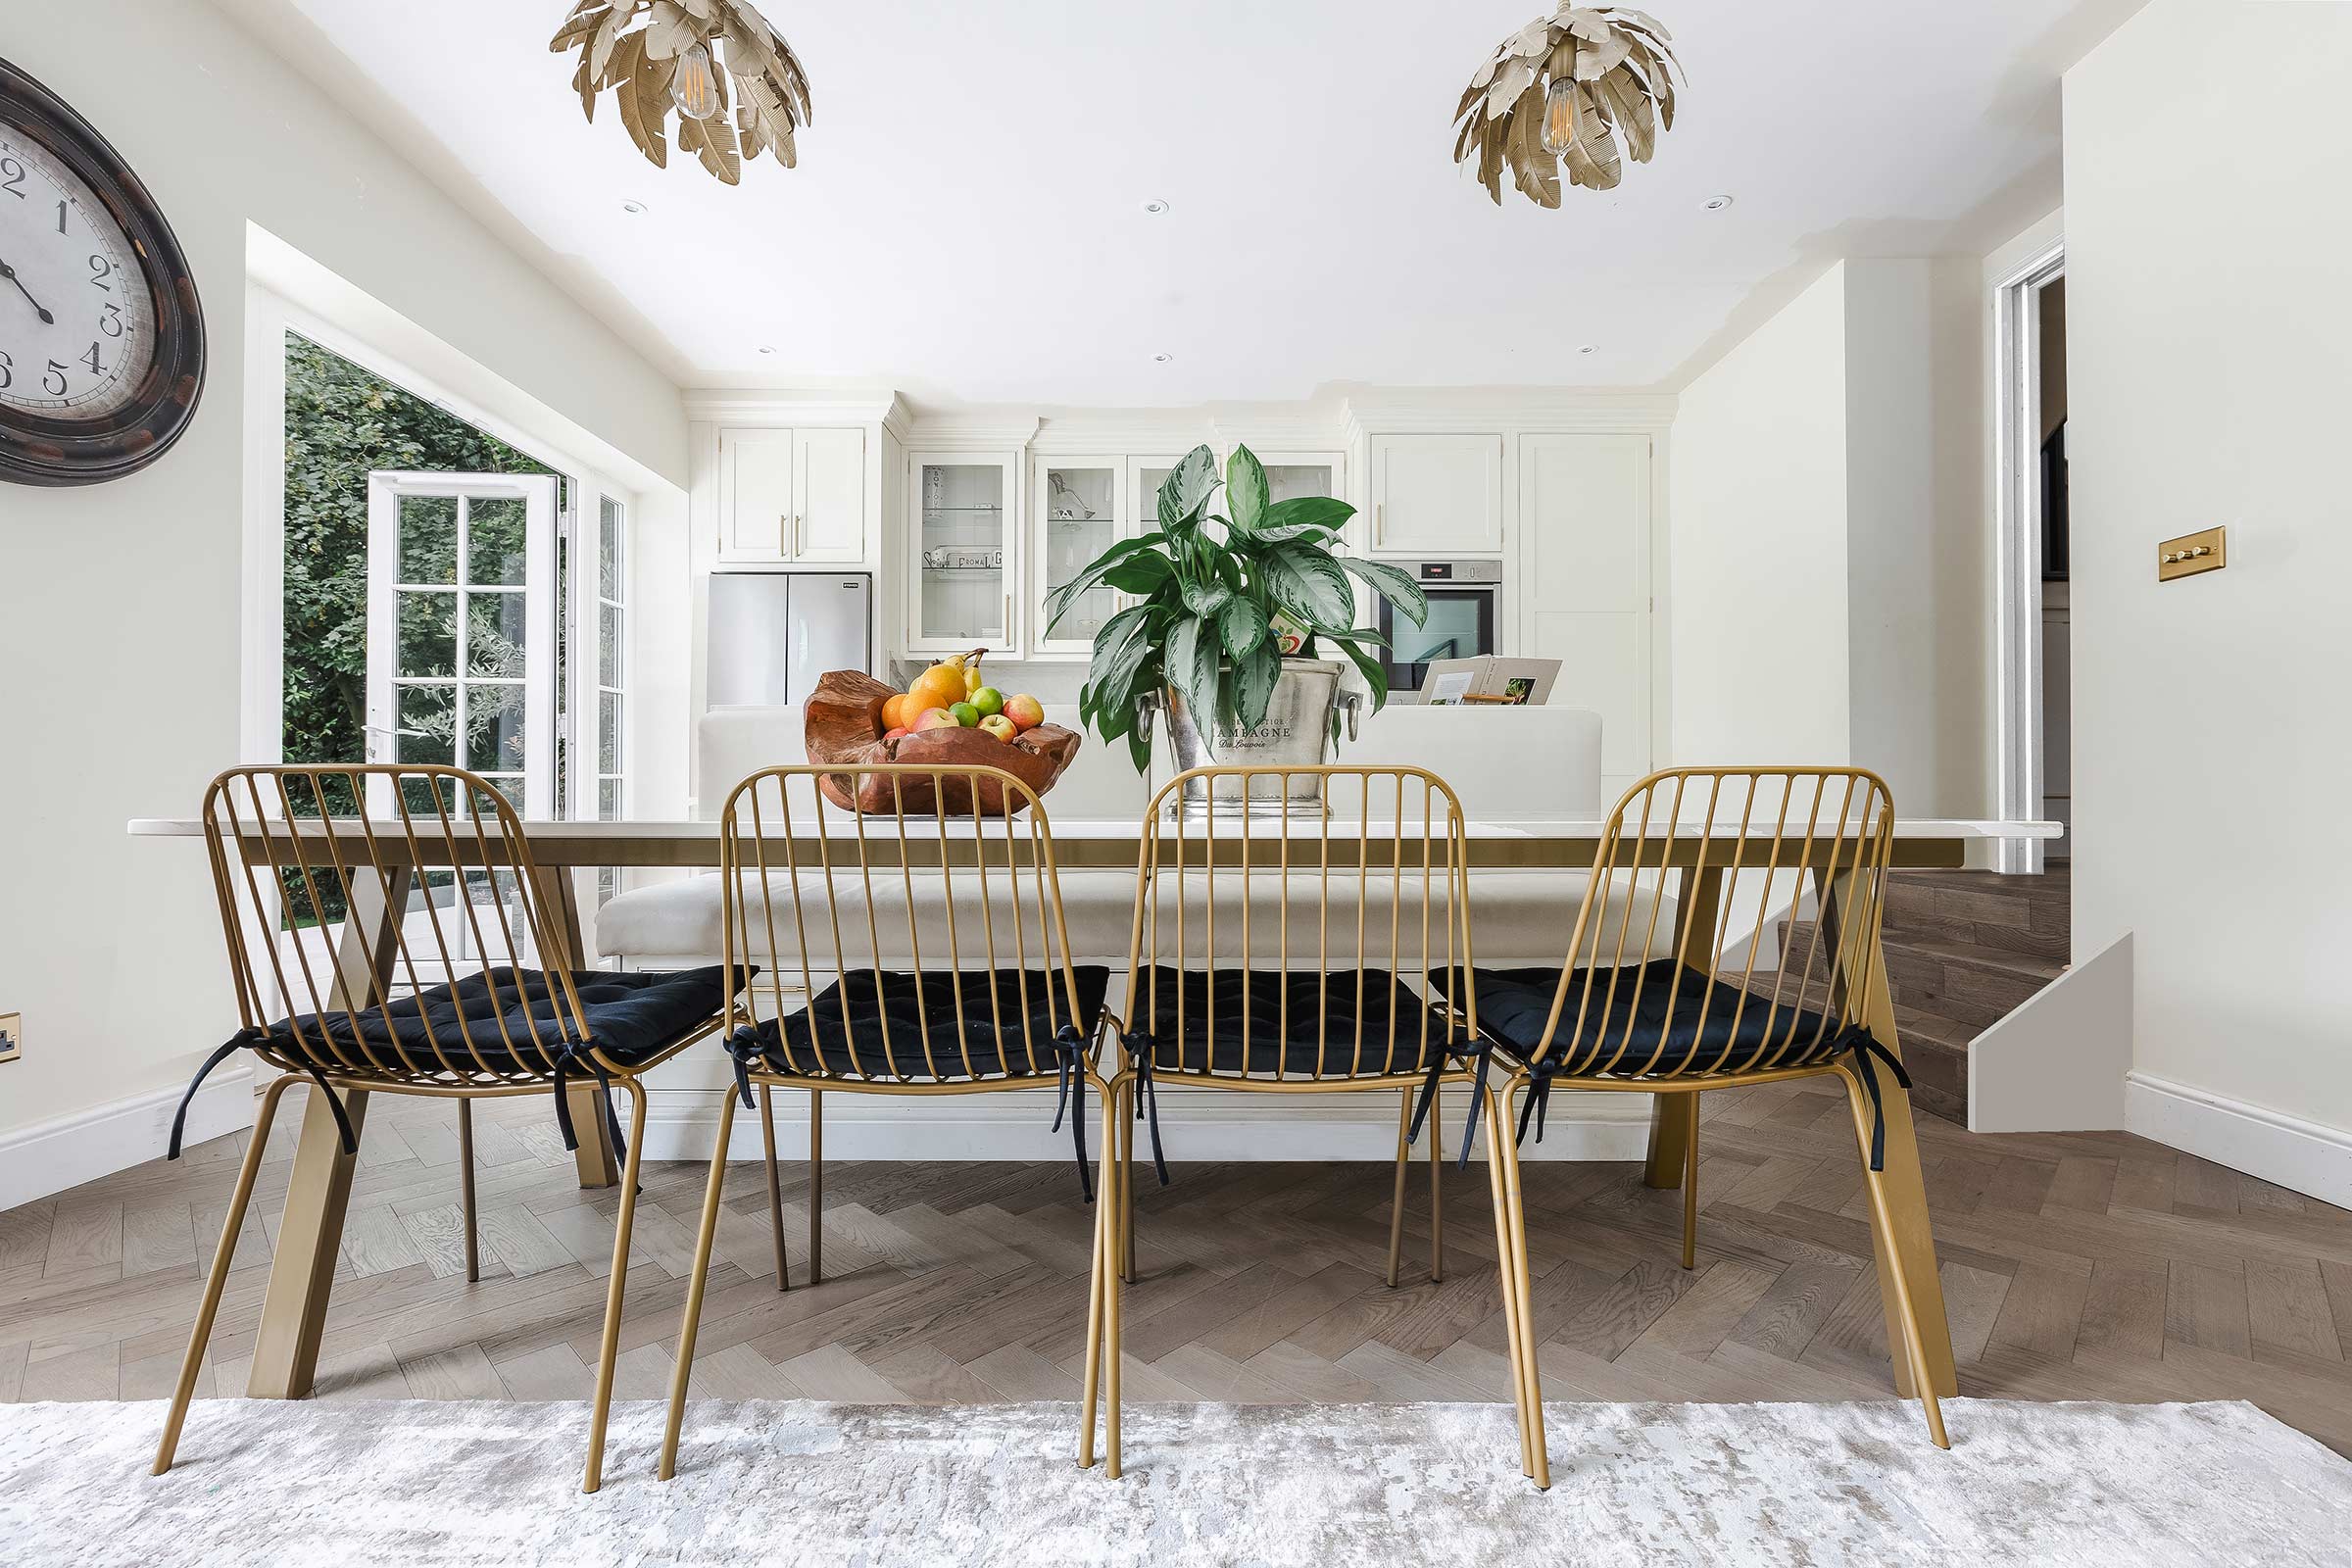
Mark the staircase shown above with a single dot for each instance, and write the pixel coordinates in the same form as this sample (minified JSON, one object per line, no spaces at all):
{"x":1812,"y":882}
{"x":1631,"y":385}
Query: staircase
{"x":1963,"y":950}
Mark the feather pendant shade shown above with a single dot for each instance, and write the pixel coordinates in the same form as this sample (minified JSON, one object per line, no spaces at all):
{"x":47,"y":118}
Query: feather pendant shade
{"x":1584,"y":88}
{"x":658,"y":55}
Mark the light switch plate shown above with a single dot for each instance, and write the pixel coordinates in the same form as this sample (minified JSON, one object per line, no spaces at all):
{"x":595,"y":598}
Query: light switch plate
{"x":12,"y":1036}
{"x":2192,"y":554}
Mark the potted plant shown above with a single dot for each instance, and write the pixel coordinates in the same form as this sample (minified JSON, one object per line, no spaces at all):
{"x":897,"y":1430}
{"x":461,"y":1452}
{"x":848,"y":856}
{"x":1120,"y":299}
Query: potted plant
{"x":1233,"y":615}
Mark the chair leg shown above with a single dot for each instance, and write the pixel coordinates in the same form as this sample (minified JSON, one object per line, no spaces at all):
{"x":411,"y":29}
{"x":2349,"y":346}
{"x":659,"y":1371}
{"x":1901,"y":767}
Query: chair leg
{"x":1093,"y":1305}
{"x":1404,"y":1163}
{"x":474,"y":1245}
{"x":1115,"y":1133}
{"x":775,"y":1188}
{"x":1913,"y":1348}
{"x":1691,"y":1187}
{"x":615,"y":1292}
{"x":1505,"y":1255}
{"x":210,"y":1306}
{"x":817,"y":1184}
{"x":712,"y":1189}
{"x":1437,"y":1209}
{"x":1520,"y":1279}
{"x":1127,"y":1190}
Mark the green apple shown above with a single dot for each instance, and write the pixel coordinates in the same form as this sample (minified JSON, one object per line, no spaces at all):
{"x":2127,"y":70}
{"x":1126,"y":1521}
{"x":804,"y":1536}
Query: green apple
{"x":964,"y":713}
{"x":989,"y":701}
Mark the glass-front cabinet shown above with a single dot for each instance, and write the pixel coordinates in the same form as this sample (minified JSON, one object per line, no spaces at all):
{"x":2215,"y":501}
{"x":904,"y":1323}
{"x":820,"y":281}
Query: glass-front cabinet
{"x":965,"y":573}
{"x":1078,"y":510}
{"x":1290,"y":474}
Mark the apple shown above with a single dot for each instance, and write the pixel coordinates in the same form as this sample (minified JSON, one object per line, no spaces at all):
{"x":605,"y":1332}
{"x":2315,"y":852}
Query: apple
{"x":989,"y":701}
{"x":1026,"y":711}
{"x":964,"y":713}
{"x":899,"y":732}
{"x":1000,"y":726}
{"x":934,"y":718}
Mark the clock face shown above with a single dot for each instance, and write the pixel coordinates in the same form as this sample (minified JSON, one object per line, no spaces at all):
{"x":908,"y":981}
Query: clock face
{"x":77,"y":322}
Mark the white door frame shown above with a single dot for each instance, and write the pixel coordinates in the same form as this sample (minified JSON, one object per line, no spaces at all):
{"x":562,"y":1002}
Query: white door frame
{"x":537,"y":492}
{"x":2017,"y":527}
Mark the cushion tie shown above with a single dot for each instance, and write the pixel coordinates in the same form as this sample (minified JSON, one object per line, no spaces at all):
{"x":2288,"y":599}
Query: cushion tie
{"x":745,"y":1047}
{"x":1864,"y":1046}
{"x":1142,"y":1047}
{"x":1427,"y":1096}
{"x":1539,"y":1097}
{"x":1069,"y":1056}
{"x":574,"y":1055}
{"x":243,"y":1039}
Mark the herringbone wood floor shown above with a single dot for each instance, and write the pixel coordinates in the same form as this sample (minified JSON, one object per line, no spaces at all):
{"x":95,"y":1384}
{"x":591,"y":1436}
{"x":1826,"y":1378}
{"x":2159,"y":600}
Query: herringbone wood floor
{"x":2091,"y":1266}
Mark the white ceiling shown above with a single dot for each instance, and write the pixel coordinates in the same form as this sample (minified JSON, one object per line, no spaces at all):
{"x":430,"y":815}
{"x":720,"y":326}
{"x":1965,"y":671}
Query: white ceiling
{"x":966,"y":223}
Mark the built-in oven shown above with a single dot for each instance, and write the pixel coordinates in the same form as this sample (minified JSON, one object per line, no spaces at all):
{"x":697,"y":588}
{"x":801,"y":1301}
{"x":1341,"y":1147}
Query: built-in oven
{"x":1466,"y":616}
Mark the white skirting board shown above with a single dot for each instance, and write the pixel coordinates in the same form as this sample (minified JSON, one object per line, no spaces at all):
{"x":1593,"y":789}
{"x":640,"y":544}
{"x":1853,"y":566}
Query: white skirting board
{"x":2057,"y":1063}
{"x":2300,"y":1156}
{"x":66,"y":1150}
{"x":1194,"y":1125}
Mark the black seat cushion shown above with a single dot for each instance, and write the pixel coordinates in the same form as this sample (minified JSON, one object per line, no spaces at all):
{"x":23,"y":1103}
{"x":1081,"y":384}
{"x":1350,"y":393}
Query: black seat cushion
{"x":629,"y":1018}
{"x":914,"y":1032}
{"x":1302,"y":1024}
{"x":1513,"y":1004}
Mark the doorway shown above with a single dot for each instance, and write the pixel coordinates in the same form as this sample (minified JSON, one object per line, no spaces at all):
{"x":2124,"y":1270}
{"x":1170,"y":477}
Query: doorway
{"x":2033,"y":655}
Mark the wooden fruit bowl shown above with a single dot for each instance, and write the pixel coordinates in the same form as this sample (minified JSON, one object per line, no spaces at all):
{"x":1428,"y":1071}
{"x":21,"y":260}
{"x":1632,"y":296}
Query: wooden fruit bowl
{"x":845,"y":725}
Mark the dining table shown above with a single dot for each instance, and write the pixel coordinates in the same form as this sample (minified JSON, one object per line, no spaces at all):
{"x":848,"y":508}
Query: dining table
{"x":309,"y":1234}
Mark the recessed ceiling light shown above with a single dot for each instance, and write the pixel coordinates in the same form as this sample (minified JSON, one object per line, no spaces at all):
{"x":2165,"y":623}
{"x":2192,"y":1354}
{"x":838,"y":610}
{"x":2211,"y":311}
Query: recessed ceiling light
{"x":1155,"y":206}
{"x":632,"y":207}
{"x":767,"y":348}
{"x":1716,"y":204}
{"x":1589,"y":348}
{"x":1161,"y":358}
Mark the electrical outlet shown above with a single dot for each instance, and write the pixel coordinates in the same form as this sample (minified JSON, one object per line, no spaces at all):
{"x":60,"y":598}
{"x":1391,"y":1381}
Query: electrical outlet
{"x":12,"y":1036}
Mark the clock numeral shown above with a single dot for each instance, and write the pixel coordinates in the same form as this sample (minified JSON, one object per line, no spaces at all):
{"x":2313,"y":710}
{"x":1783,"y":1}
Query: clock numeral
{"x":57,"y":373}
{"x":111,"y":324}
{"x":11,"y":178}
{"x":61,"y":218}
{"x":100,"y":270}
{"x":7,"y":370}
{"x":91,"y":359}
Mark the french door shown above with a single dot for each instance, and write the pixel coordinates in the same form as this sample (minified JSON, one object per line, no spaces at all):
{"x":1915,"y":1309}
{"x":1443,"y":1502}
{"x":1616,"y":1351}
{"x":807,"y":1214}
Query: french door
{"x":461,"y":654}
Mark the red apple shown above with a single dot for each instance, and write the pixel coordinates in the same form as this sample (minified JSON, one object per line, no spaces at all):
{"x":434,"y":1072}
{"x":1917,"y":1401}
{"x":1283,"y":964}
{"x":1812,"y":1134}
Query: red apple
{"x":934,"y":718}
{"x":894,"y":734}
{"x":1000,"y":726}
{"x":1026,"y":711}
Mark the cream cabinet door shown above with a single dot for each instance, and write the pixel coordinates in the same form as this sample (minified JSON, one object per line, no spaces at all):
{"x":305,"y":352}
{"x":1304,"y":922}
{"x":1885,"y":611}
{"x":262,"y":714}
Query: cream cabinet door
{"x":756,"y":498}
{"x":1585,"y":585}
{"x":828,"y":476}
{"x":1436,"y":495}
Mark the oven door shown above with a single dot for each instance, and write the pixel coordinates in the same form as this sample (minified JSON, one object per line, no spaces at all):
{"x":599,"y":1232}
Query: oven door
{"x":1460,"y":625}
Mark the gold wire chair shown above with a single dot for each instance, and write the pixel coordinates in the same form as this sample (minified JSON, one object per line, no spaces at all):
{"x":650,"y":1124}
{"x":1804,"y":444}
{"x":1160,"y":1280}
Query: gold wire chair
{"x":1740,"y":839}
{"x":429,"y":873}
{"x":843,"y":1005}
{"x":1215,"y":898}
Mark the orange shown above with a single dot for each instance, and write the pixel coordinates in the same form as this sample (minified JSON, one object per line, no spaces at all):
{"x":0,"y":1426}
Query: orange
{"x":894,"y":712}
{"x":936,"y":687}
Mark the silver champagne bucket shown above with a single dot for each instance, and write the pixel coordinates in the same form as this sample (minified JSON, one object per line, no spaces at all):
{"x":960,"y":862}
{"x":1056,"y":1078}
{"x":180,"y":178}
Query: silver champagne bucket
{"x":1296,"y":733}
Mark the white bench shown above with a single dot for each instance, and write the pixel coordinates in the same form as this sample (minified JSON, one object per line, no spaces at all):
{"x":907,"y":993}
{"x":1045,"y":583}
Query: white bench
{"x":1505,"y":765}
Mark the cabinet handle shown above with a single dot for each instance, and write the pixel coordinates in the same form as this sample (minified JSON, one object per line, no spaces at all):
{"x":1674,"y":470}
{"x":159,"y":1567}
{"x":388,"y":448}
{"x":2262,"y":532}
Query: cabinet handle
{"x":1380,"y":522}
{"x":1008,"y":620}
{"x":784,"y":526}
{"x":798,"y":542}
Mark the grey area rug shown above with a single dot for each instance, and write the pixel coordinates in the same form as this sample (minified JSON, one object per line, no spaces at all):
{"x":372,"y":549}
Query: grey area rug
{"x":1816,"y":1485}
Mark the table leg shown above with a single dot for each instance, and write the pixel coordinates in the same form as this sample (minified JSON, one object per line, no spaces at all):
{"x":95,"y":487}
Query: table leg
{"x":561,"y":904}
{"x":1674,"y":1118}
{"x":301,"y":1272}
{"x":1906,"y":1199}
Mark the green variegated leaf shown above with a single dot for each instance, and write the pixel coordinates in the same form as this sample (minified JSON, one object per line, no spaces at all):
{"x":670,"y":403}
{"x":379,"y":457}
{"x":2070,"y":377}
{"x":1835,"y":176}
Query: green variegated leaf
{"x":1327,"y":598}
{"x":1206,"y":599}
{"x":1242,"y":625}
{"x":1254,"y":676}
{"x":1246,"y":488}
{"x":1392,"y":583}
{"x":1185,"y":494}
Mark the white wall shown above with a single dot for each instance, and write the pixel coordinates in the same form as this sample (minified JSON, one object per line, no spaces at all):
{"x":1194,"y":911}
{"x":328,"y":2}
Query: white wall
{"x":120,"y":604}
{"x":2210,"y":359}
{"x":1758,"y":531}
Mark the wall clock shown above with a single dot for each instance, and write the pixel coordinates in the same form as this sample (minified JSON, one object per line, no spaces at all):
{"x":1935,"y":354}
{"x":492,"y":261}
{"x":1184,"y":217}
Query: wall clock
{"x":101,"y":336}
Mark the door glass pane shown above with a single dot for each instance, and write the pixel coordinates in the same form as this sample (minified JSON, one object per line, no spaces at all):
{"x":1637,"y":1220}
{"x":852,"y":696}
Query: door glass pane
{"x":494,"y":539}
{"x":609,"y":563}
{"x":608,"y":645}
{"x":1148,"y":480}
{"x":962,"y":543}
{"x":608,"y":733}
{"x":427,"y":721}
{"x":1287,"y":481}
{"x":494,"y":728}
{"x":495,"y":634}
{"x":428,"y":539}
{"x":1081,"y":522}
{"x":428,"y":634}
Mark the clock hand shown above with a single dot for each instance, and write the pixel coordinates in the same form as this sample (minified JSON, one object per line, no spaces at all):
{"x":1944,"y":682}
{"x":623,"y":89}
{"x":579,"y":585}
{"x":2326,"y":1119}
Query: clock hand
{"x":9,"y":272}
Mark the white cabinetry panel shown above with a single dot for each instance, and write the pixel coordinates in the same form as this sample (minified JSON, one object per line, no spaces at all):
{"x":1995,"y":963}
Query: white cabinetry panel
{"x":755,"y":495}
{"x":829,"y":479}
{"x":1585,"y":549}
{"x":1436,"y":495}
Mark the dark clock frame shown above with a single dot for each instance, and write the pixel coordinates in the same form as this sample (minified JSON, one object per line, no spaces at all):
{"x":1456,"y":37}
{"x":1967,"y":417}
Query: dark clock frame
{"x":37,"y":449}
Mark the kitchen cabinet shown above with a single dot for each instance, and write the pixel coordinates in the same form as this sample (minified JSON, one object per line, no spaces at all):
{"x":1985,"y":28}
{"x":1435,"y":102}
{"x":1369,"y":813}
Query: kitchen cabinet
{"x":1436,"y":495}
{"x":1585,"y":588}
{"x":1079,"y":507}
{"x":965,"y":567}
{"x":791,"y":495}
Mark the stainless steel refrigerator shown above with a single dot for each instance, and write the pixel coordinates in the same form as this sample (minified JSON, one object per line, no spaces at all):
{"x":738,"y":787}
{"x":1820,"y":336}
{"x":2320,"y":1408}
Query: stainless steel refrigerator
{"x":772,"y":633}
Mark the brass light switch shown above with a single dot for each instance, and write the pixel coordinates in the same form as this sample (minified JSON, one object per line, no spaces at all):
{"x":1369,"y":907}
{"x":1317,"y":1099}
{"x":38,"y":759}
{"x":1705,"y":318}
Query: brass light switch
{"x":2192,"y":554}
